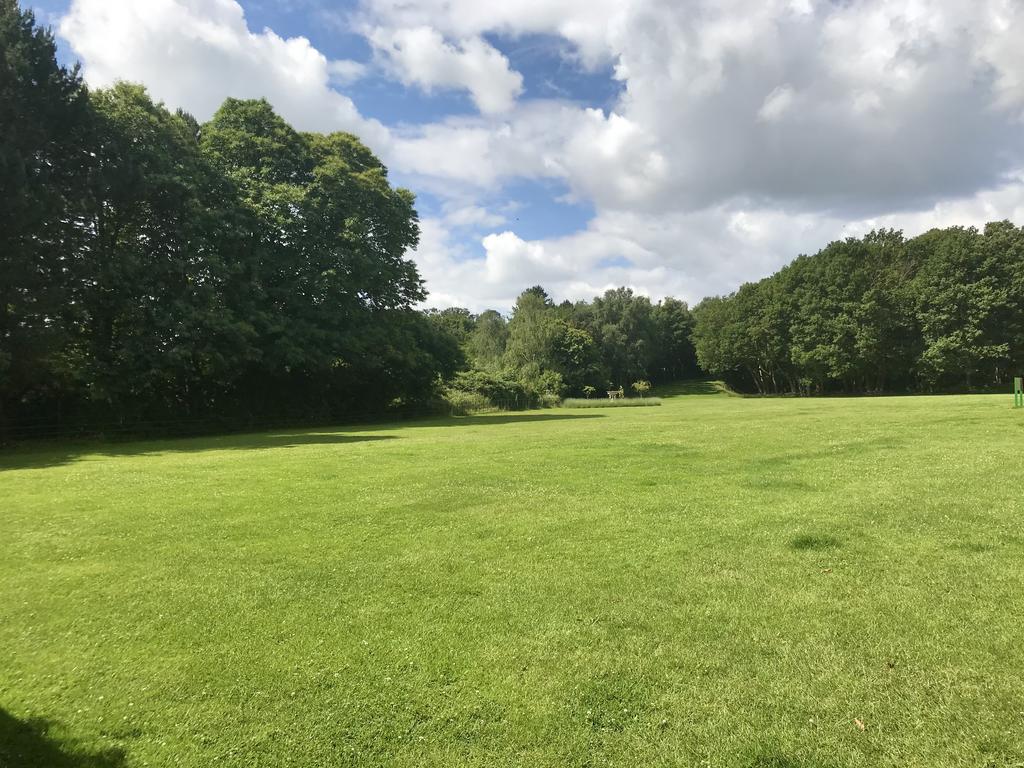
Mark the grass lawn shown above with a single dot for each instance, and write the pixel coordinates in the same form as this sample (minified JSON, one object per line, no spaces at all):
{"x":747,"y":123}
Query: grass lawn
{"x":773,"y":583}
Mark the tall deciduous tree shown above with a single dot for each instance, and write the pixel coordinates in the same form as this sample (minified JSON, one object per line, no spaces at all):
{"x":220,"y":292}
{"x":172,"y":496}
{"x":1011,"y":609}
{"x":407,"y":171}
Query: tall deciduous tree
{"x":486,"y":344}
{"x":327,"y":278}
{"x":155,"y":333}
{"x":674,"y":358}
{"x":44,"y":161}
{"x":941,"y":311}
{"x":532,"y":332}
{"x":154,"y":268}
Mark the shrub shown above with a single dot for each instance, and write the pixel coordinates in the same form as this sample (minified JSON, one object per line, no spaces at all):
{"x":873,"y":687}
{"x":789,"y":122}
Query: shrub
{"x":549,"y":400}
{"x":550,"y":383}
{"x":500,"y":390}
{"x":538,"y":389}
{"x":461,"y":403}
{"x":540,"y":382}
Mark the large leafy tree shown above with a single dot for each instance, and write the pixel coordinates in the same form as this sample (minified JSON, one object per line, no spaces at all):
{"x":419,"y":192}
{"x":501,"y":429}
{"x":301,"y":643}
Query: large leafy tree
{"x":941,"y":311}
{"x":623,"y":326}
{"x":717,"y":337}
{"x":327,"y":279}
{"x":961,"y":296}
{"x":44,"y":160}
{"x":1003,"y":247}
{"x":154,"y":333}
{"x":458,"y":322}
{"x":674,"y":358}
{"x":153,"y":268}
{"x":576,"y":357}
{"x":533,"y":332}
{"x":486,"y":344}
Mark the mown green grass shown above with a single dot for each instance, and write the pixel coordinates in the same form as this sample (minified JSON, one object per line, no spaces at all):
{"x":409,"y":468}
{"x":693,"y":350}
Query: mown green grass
{"x":717,"y":582}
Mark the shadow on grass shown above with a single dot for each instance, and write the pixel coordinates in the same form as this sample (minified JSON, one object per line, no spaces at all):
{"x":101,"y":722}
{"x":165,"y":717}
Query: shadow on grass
{"x":26,"y":744}
{"x":496,"y":419}
{"x":778,"y":760}
{"x":692,"y":387}
{"x":814,"y":543}
{"x":55,"y":453}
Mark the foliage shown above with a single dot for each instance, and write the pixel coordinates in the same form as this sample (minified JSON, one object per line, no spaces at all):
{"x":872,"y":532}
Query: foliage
{"x":531,"y":330}
{"x":568,"y":348}
{"x":155,"y":269}
{"x":547,"y":383}
{"x":44,"y":167}
{"x":456,"y":322}
{"x":939,"y":312}
{"x":549,"y":399}
{"x":641,"y":387}
{"x":461,"y":403}
{"x":497,"y":389}
{"x":486,"y":344}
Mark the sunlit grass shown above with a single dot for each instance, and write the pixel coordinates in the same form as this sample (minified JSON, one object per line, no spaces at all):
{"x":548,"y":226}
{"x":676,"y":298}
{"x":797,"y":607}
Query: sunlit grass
{"x":717,"y":582}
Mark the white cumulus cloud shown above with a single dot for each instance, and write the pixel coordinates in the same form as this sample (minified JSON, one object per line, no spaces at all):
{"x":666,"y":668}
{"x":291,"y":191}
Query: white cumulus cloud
{"x":421,"y":56}
{"x":744,"y":132}
{"x":195,"y":53}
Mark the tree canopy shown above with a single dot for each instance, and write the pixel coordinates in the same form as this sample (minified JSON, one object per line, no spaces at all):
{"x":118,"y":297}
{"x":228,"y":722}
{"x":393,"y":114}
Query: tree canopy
{"x":152,"y":268}
{"x":939,"y":312}
{"x":576,"y":348}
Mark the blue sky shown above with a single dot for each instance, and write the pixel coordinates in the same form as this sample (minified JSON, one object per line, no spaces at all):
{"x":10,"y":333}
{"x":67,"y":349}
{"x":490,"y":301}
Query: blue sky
{"x":678,"y":148}
{"x":537,"y":209}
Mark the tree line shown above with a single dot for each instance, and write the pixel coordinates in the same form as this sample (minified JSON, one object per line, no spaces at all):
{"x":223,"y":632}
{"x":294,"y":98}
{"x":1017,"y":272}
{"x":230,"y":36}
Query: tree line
{"x":544,"y":351}
{"x":159,"y":271}
{"x":940,"y":312}
{"x":153,"y":268}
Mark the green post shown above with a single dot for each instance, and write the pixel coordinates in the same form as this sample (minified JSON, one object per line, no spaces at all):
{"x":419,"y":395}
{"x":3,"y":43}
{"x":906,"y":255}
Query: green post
{"x":1018,"y":392}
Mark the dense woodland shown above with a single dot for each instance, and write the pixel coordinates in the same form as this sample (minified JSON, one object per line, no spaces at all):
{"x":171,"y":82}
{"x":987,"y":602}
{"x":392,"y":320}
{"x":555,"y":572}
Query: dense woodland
{"x":940,"y":312}
{"x":158,"y":271}
{"x":545,"y":351}
{"x":155,"y":270}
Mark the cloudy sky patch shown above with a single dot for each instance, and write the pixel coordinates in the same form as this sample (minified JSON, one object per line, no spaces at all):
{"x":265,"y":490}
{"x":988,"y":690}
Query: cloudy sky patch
{"x":676,"y":147}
